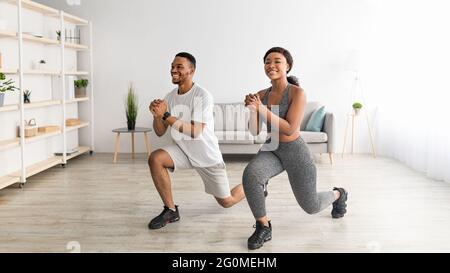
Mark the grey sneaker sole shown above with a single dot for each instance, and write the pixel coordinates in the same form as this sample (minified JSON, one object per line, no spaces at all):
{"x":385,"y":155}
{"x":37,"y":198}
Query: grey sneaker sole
{"x":256,"y":246}
{"x":336,"y":215}
{"x":163,"y":224}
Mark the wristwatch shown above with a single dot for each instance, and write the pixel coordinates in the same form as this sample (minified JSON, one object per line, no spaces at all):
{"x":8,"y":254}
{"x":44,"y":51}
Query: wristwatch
{"x":166,"y":115}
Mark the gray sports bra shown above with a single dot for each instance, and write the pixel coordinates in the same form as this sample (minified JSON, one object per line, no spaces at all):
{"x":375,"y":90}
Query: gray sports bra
{"x":283,"y":107}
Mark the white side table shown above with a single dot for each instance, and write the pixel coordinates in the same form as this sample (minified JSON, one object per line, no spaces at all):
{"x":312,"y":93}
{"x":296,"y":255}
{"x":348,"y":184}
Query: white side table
{"x":353,"y":118}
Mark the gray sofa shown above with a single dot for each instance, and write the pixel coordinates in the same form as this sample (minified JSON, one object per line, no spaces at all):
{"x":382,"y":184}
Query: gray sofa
{"x":231,"y":128}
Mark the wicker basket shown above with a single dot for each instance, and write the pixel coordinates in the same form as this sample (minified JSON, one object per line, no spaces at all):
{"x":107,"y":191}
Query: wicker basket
{"x":31,"y":128}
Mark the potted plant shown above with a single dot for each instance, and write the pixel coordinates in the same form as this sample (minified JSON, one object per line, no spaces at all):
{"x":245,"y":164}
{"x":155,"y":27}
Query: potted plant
{"x":80,"y":88}
{"x":58,"y":35}
{"x":131,"y":108}
{"x":357,"y":107}
{"x":40,"y":65}
{"x":5,"y":86}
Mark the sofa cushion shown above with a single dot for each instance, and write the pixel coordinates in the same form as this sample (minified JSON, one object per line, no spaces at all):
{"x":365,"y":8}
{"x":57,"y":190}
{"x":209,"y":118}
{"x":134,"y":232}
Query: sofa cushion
{"x":235,"y":137}
{"x":309,"y":110}
{"x":231,"y":117}
{"x":219,"y":118}
{"x":315,"y":123}
{"x":314,"y":137}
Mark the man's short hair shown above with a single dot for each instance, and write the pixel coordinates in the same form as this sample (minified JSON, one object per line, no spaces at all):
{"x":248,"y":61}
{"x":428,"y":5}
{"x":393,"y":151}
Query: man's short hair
{"x":188,"y":56}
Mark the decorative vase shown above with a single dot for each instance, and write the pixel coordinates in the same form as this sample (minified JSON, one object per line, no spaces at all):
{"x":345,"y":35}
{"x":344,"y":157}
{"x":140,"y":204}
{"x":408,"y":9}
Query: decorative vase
{"x":80,"y":92}
{"x":2,"y":99}
{"x":26,"y":99}
{"x":131,"y":125}
{"x":356,"y":110}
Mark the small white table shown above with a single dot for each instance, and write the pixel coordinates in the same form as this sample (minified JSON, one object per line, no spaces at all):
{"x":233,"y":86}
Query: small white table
{"x":353,"y":118}
{"x":132,"y":132}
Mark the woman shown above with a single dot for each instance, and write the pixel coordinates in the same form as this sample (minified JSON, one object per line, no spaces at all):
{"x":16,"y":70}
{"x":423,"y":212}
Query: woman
{"x":291,"y":155}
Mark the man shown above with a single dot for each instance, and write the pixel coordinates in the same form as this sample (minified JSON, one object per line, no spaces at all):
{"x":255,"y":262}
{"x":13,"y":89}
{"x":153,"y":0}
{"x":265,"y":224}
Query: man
{"x":188,"y":111}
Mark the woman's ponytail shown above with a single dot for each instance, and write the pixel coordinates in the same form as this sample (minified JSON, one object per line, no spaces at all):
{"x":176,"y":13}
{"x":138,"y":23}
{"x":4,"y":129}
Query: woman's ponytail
{"x":293,"y":80}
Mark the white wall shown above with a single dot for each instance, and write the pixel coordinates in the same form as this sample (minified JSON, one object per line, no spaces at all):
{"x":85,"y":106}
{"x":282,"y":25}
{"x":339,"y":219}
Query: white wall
{"x":136,"y":40}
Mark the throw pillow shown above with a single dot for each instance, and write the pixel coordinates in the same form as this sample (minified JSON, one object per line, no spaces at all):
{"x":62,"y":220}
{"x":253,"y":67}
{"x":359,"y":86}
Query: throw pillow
{"x":316,"y":120}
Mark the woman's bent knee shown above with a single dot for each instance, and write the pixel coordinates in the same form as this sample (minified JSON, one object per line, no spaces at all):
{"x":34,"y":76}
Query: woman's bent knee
{"x":250,"y":177}
{"x":310,"y":208}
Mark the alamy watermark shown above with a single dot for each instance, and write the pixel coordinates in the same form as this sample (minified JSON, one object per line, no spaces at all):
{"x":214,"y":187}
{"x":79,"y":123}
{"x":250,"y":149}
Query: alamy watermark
{"x":232,"y":120}
{"x":73,"y":247}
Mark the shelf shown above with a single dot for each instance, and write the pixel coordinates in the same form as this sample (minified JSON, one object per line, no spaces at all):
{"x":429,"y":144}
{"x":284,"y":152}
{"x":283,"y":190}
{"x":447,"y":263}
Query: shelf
{"x":10,"y":39}
{"x":73,"y":128}
{"x":47,"y":41}
{"x":41,"y":40}
{"x":76,"y":46}
{"x":12,"y":143}
{"x":9,"y":108}
{"x":43,"y":165}
{"x":38,"y":104}
{"x":8,"y":180}
{"x":77,"y":73}
{"x":81,"y":150}
{"x":75,"y":100}
{"x":41,"y":72}
{"x":44,"y":72}
{"x":41,"y":136}
{"x":36,"y":7}
{"x":30,"y":5}
{"x":7,"y":34}
{"x":8,"y":71}
{"x":40,"y":166}
{"x":9,"y":144}
{"x":31,"y":170}
{"x":75,"y":20}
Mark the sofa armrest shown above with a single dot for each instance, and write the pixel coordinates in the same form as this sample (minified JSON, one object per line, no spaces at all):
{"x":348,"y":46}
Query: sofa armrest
{"x":328,"y":128}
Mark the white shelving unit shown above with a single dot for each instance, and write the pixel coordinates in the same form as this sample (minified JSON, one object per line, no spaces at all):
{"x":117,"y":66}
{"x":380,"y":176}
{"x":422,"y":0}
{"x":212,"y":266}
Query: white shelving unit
{"x":32,"y":153}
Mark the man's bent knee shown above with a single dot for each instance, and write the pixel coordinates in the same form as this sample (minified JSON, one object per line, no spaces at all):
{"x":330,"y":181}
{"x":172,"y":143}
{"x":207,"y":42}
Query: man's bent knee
{"x":226,"y":202}
{"x":155,"y":158}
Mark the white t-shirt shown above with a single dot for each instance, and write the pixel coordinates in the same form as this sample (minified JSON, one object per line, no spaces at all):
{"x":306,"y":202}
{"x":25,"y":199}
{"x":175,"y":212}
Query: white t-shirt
{"x":195,"y":105}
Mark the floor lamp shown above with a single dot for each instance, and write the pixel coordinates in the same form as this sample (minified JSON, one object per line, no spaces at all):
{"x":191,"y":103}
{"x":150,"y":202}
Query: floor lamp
{"x":352,"y":65}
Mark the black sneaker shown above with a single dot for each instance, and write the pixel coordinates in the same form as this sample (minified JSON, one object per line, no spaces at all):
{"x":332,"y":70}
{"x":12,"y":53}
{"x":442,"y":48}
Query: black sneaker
{"x":166,"y":216}
{"x":340,"y":206}
{"x":261,"y":235}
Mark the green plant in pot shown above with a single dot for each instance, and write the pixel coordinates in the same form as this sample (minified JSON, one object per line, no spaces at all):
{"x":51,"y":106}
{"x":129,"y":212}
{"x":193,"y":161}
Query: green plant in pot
{"x":131,"y":107}
{"x":357,"y":107}
{"x":5,"y":86}
{"x":80,"y":88}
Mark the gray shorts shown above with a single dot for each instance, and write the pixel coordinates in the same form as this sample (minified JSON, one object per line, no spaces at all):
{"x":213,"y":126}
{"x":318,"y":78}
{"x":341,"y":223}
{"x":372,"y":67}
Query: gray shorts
{"x":214,"y":178}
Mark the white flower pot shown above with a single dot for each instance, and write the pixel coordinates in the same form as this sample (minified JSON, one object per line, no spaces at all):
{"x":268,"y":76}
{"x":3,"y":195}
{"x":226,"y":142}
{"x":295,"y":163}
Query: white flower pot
{"x":2,"y":99}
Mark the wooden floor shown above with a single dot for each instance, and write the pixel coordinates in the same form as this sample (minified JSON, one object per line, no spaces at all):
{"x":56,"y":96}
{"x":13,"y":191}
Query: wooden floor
{"x":101,"y":207}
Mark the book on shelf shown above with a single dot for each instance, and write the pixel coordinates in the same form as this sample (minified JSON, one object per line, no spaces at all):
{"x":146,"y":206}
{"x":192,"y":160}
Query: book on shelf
{"x":70,"y":87}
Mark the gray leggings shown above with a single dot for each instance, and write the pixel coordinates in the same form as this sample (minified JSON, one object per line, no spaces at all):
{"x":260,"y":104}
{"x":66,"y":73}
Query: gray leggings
{"x":294,"y":157}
